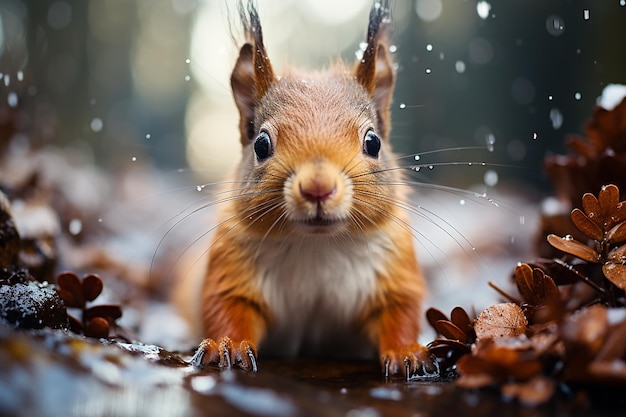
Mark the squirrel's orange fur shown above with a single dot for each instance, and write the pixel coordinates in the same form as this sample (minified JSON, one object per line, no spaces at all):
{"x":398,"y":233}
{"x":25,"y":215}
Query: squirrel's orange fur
{"x":313,"y":253}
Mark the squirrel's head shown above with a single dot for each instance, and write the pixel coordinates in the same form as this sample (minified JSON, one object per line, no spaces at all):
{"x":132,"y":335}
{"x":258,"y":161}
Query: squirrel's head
{"x":316,"y":154}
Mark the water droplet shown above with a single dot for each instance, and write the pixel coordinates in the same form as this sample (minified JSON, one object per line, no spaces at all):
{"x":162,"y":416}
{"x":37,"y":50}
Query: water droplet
{"x":428,"y":10}
{"x":577,"y":96}
{"x":522,"y":219}
{"x":12,"y":99}
{"x":549,"y":98}
{"x":430,"y":166}
{"x":100,"y":220}
{"x":20,"y":76}
{"x":187,"y":77}
{"x":188,"y":61}
{"x":622,"y":2}
{"x":483,"y":8}
{"x":555,"y":25}
{"x":429,"y":47}
{"x":462,"y":202}
{"x":469,"y":164}
{"x":148,"y":135}
{"x":491,"y":141}
{"x":134,"y":159}
{"x":557,"y":118}
{"x":427,"y":70}
{"x":441,"y":56}
{"x":417,"y":157}
{"x":459,"y":66}
{"x":7,"y":80}
{"x":568,"y":238}
{"x":393,"y":49}
{"x":198,"y":188}
{"x":417,"y":169}
{"x":586,"y":14}
{"x":96,"y":124}
{"x":75,"y":227}
{"x":402,"y":106}
{"x":591,"y":215}
{"x":490,"y":178}
{"x":535,"y":136}
{"x":343,"y":390}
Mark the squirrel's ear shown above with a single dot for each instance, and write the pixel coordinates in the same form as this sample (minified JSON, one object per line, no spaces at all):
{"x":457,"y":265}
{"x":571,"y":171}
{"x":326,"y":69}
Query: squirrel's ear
{"x":253,"y":74}
{"x":375,"y":71}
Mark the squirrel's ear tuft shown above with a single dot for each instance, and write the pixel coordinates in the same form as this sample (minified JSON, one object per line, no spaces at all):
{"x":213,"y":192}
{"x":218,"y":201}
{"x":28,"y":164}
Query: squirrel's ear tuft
{"x":253,"y":74}
{"x":375,"y":71}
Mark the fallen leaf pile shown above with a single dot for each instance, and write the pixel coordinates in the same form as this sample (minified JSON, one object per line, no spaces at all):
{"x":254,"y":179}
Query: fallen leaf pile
{"x":95,"y":321}
{"x":40,"y":196}
{"x":566,"y":326}
{"x":31,"y":303}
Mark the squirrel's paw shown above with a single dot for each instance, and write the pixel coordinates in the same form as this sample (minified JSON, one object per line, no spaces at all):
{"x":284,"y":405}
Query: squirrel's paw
{"x":226,"y":354}
{"x":409,"y":362}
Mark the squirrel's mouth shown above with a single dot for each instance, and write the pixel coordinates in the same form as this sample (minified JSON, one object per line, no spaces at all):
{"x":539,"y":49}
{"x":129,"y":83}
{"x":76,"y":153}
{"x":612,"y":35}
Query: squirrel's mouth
{"x":319,"y":221}
{"x":321,"y":224}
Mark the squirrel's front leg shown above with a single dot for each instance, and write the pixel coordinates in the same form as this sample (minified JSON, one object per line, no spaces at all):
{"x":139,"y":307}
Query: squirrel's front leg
{"x":234,"y":316}
{"x":398,"y":332}
{"x":234,"y":330}
{"x":393,"y":318}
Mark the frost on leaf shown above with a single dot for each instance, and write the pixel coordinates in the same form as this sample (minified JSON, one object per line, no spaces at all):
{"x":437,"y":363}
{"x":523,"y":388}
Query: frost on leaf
{"x":500,"y":320}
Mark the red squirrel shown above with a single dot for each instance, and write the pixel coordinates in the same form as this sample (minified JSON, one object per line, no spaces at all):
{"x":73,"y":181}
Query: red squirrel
{"x":313,"y":254}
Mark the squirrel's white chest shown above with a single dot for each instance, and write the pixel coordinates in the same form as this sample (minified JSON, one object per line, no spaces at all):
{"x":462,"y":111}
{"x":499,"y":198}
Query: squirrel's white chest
{"x":316,"y":288}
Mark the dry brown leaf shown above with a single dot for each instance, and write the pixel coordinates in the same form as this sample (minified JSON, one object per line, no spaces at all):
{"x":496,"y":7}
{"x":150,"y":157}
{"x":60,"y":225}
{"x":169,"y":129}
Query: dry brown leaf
{"x":459,"y":317}
{"x":608,"y":198}
{"x":614,"y":346}
{"x":536,"y":391}
{"x":470,"y":381}
{"x":536,"y":287}
{"x":609,"y":371}
{"x":500,"y":320}
{"x":592,"y":208}
{"x":617,"y":234}
{"x":434,"y":315}
{"x":586,"y":328}
{"x":568,"y":245}
{"x":616,"y":273}
{"x":586,"y":225}
{"x":451,"y":331}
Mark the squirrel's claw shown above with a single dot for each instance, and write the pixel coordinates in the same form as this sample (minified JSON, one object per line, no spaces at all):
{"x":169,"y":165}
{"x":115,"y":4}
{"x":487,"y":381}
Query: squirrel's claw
{"x":226,"y":354}
{"x":409,"y":362}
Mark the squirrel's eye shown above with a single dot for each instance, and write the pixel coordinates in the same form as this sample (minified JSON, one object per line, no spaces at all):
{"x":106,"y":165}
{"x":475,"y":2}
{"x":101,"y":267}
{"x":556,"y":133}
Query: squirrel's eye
{"x":263,"y":146}
{"x":371,"y":144}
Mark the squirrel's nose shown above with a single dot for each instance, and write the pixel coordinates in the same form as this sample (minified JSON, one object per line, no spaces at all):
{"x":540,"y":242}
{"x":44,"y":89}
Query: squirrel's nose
{"x":316,"y":191}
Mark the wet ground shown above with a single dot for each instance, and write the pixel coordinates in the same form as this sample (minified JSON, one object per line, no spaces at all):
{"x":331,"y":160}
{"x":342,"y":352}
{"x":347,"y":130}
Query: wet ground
{"x":54,"y":373}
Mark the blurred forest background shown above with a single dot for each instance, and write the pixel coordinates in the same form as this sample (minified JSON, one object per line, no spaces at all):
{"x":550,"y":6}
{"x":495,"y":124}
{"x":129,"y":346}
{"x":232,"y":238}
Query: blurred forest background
{"x":147,"y":81}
